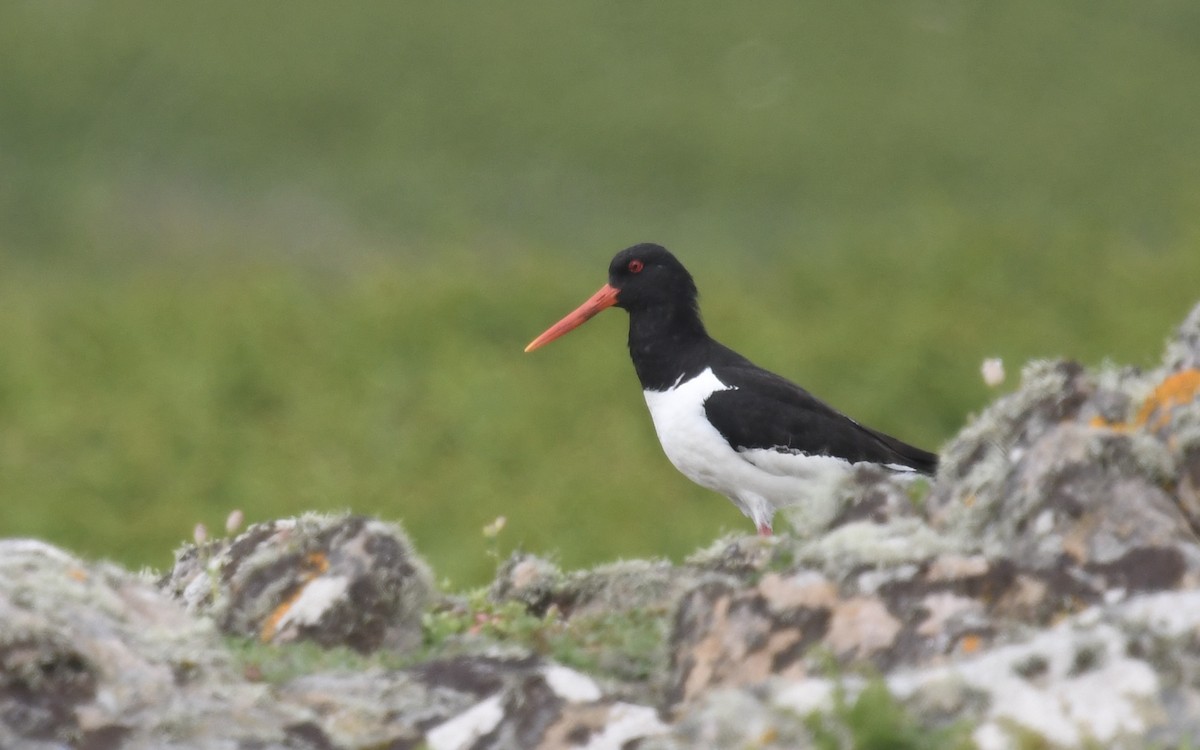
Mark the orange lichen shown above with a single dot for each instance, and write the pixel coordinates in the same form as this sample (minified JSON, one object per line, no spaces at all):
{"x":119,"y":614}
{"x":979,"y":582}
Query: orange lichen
{"x":1176,"y":390}
{"x":272,"y":622}
{"x":1100,"y":423}
{"x":318,"y":562}
{"x":315,"y":564}
{"x":77,"y":574}
{"x":969,"y":644}
{"x":769,"y":735}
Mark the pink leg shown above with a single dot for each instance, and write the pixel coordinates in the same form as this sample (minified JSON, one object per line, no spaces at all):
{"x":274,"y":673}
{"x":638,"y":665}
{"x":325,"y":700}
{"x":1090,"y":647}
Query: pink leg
{"x":764,"y":529}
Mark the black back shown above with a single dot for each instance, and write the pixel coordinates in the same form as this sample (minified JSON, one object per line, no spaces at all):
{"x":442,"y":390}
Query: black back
{"x":763,"y":410}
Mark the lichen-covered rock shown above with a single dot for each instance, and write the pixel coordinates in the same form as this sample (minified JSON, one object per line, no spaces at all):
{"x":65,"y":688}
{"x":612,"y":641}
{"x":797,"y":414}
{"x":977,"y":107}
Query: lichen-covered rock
{"x":1123,"y":676}
{"x":534,"y":581}
{"x":632,"y":585}
{"x":1113,"y":675}
{"x":538,"y":705}
{"x":1044,"y":474}
{"x":479,"y":702}
{"x":1097,"y":466}
{"x":792,"y":624}
{"x":92,"y":656}
{"x":632,"y":602}
{"x":1183,"y":351}
{"x":879,"y":524}
{"x":335,"y":580}
{"x":737,"y":718}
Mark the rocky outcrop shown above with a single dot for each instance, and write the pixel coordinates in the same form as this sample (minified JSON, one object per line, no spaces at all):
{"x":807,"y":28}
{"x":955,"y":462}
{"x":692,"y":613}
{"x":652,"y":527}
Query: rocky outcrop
{"x":1041,"y":592}
{"x":336,"y":580}
{"x":469,"y":701}
{"x":94,"y":657}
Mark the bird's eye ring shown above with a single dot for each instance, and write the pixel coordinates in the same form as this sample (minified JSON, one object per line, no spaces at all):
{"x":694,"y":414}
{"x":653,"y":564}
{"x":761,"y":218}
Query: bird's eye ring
{"x":636,"y":266}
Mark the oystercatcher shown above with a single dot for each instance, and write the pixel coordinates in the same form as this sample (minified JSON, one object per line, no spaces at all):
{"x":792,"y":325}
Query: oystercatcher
{"x":726,"y":424}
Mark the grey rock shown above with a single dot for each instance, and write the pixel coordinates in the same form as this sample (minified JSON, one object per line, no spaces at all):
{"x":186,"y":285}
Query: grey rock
{"x":1183,"y":351}
{"x":1117,"y":676}
{"x":631,"y":585}
{"x":534,"y":581}
{"x":1041,"y":475}
{"x":92,"y":656}
{"x":335,"y":580}
{"x":735,"y":718}
{"x":1090,"y":678}
{"x":471,"y":702}
{"x":643,"y":593}
{"x":96,"y":657}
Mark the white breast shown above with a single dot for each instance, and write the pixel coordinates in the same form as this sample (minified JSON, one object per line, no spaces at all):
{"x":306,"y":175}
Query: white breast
{"x":688,"y":438}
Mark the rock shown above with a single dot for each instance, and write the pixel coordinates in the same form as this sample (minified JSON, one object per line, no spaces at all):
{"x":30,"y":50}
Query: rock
{"x":92,"y":656}
{"x":541,"y":706}
{"x":729,"y":718}
{"x":643,"y":594}
{"x":1100,"y":676}
{"x":634,"y":585}
{"x":529,"y":579}
{"x":1041,"y":475}
{"x":791,"y":625}
{"x":1183,"y":351}
{"x":472,"y":702}
{"x":95,"y":657}
{"x":335,"y":580}
{"x":1113,"y":676}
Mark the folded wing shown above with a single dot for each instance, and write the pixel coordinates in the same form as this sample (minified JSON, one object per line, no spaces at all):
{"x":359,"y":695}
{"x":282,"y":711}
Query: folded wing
{"x":762,"y":411}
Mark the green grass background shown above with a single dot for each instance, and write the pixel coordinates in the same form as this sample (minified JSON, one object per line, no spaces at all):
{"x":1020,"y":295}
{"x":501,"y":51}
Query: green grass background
{"x":285,"y":257}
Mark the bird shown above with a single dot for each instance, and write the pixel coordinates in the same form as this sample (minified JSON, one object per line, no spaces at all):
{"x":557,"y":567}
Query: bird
{"x":723,"y":422}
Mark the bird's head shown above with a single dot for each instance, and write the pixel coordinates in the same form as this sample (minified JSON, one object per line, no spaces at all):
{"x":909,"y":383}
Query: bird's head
{"x":639,"y":278}
{"x":648,"y":275}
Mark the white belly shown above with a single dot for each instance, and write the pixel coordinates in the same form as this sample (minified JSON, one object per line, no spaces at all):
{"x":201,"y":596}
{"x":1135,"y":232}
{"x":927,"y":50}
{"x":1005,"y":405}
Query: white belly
{"x":757,"y":481}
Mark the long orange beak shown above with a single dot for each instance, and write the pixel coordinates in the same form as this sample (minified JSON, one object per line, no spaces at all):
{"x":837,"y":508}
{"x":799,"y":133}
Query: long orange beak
{"x":606,"y":297}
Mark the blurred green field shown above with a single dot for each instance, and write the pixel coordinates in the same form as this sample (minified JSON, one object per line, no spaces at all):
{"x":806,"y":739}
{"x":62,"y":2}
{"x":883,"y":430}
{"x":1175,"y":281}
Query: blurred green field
{"x":282,"y":261}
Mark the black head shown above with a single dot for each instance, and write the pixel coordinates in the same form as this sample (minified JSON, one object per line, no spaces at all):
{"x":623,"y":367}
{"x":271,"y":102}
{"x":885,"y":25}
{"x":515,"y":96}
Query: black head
{"x":651,"y":285}
{"x":647,"y":276}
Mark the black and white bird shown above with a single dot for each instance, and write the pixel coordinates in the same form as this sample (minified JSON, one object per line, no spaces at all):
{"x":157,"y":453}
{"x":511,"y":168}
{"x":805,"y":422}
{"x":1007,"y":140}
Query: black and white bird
{"x":726,"y":424}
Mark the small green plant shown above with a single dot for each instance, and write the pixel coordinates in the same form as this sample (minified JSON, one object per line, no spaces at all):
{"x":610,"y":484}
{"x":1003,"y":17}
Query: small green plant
{"x":918,"y":492}
{"x":276,"y":663}
{"x":783,"y":558}
{"x":479,"y":615}
{"x":876,"y":720}
{"x":625,"y":643}
{"x":628,"y":645}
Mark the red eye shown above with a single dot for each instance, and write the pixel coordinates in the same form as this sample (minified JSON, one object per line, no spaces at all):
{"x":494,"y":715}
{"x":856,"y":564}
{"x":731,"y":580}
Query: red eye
{"x":636,"y":266}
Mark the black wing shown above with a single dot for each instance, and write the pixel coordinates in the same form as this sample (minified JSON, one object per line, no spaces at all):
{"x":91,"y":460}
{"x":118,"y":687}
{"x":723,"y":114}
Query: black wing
{"x":764,"y":410}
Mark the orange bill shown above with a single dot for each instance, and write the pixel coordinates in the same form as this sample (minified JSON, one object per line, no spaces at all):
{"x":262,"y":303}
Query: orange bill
{"x":606,"y":297}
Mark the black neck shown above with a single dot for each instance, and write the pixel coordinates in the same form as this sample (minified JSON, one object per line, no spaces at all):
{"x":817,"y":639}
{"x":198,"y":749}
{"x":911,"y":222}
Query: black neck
{"x":667,"y":342}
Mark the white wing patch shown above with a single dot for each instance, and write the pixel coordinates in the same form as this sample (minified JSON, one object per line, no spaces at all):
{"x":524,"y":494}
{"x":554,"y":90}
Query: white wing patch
{"x":796,"y":463}
{"x":791,"y":463}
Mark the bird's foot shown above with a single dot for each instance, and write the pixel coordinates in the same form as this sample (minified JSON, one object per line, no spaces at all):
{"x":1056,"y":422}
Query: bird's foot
{"x":764,"y":529}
